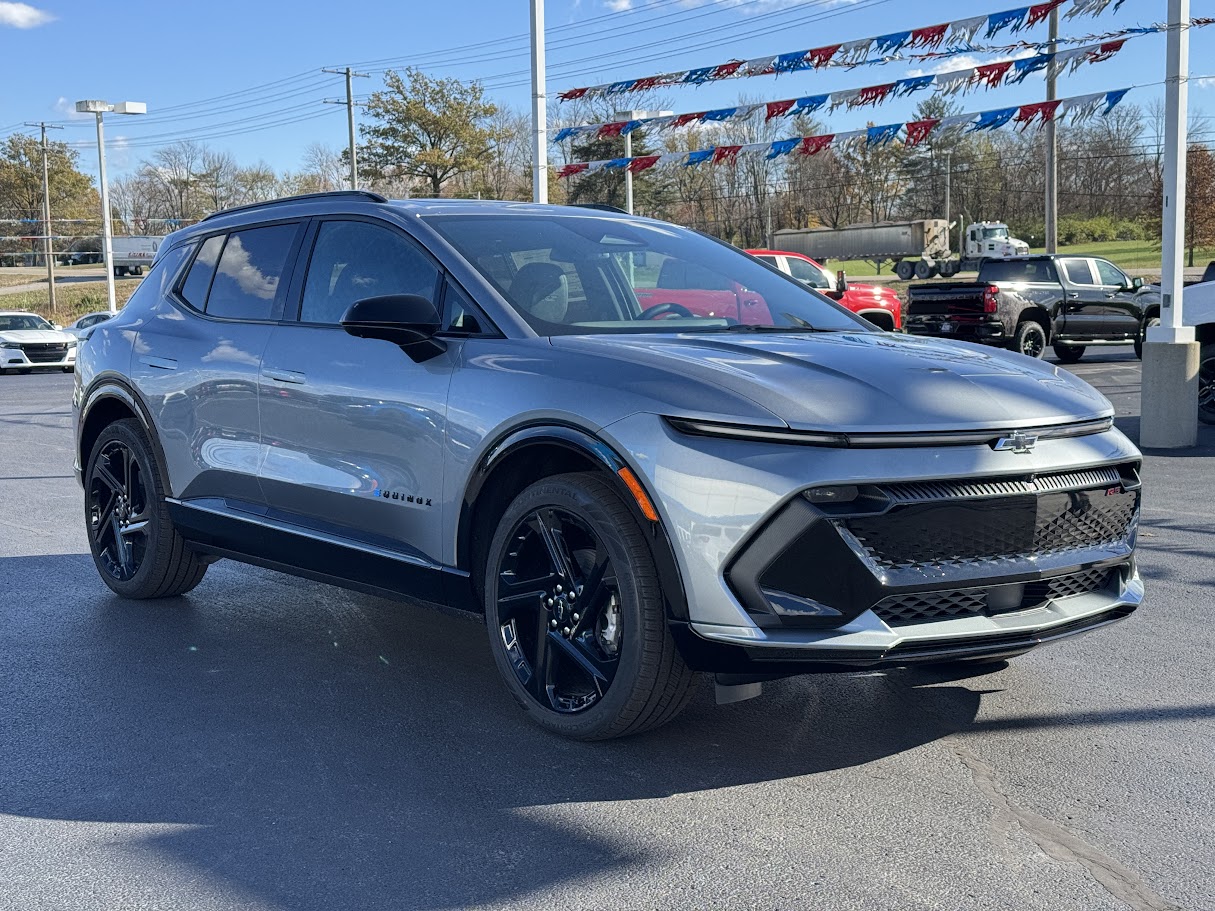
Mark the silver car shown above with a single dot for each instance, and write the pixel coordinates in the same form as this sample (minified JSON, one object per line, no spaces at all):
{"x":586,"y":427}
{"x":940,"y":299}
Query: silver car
{"x":639,"y":452}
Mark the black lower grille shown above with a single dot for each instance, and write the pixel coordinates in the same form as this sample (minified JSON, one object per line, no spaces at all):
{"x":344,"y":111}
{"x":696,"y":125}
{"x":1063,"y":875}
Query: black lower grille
{"x":926,"y":607}
{"x":45,"y":353}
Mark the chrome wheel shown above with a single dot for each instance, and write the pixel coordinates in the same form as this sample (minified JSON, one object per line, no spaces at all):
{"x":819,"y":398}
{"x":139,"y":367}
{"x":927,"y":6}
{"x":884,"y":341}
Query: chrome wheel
{"x":118,"y":511}
{"x":559,"y":611}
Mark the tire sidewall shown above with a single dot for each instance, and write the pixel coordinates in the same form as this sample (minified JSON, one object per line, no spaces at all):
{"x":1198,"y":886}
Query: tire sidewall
{"x":1025,"y":329}
{"x":567,"y":494}
{"x":1206,"y":355}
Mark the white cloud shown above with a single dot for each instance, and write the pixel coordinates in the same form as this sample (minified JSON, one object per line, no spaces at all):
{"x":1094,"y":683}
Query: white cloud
{"x":22,"y":15}
{"x":68,"y":110}
{"x":618,"y":6}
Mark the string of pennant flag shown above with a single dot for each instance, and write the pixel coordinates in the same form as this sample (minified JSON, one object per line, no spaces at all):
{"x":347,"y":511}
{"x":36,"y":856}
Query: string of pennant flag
{"x":960,"y":33}
{"x":991,"y":75}
{"x":1076,"y":109}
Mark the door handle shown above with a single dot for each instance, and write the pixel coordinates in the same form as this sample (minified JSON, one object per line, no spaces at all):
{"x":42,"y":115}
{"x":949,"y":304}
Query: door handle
{"x":1073,"y":296}
{"x":284,"y":376}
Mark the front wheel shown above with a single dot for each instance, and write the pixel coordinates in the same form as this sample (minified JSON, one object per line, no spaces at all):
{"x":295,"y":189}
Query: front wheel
{"x":1206,"y":384}
{"x":1147,"y":324}
{"x":575,"y":613}
{"x":1030,"y":339}
{"x":1068,"y":354}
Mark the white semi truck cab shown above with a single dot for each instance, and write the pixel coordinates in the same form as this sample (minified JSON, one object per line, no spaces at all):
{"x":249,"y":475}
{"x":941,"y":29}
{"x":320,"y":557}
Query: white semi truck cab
{"x":989,"y":239}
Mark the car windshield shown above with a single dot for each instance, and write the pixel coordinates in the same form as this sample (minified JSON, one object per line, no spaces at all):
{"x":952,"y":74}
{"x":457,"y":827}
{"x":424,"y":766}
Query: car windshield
{"x":577,"y":274}
{"x":995,"y":233}
{"x":14,"y":322}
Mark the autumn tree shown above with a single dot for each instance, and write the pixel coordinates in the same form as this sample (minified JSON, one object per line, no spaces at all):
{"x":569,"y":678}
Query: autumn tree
{"x":427,"y":129}
{"x":72,"y":194}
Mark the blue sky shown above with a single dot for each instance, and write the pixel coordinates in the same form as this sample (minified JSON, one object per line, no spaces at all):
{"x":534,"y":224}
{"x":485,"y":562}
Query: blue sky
{"x":189,"y":61}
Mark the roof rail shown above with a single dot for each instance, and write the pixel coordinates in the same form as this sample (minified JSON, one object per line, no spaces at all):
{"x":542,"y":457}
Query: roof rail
{"x":601,"y":206}
{"x":331,"y":194}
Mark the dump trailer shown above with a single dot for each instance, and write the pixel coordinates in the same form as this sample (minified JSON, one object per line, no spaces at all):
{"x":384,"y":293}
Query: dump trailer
{"x":132,"y":253}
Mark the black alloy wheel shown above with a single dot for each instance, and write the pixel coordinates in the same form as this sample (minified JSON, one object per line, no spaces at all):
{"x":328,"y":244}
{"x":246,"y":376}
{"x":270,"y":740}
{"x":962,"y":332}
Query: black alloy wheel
{"x":1068,"y":354}
{"x":1030,"y":339}
{"x":1206,"y":384}
{"x":118,"y":511}
{"x":1143,"y":331}
{"x":575,"y":612}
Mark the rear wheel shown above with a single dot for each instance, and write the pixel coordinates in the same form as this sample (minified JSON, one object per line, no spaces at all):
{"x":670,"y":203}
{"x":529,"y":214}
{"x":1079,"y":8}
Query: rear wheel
{"x":575,"y":613}
{"x":949,"y":268}
{"x":135,"y":546}
{"x":925,"y":270}
{"x":1206,"y":384}
{"x":1030,"y":339}
{"x":1068,"y":354}
{"x":905,"y":270}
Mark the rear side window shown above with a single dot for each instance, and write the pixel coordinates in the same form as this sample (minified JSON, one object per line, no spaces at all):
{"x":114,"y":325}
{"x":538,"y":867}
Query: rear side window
{"x":194,"y":288}
{"x":1078,"y":272}
{"x":250,"y":271}
{"x":1033,"y":270}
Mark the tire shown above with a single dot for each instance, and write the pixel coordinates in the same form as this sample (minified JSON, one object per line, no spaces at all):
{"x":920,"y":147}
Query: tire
{"x":905,"y":270}
{"x":138,"y":270}
{"x":614,"y":671}
{"x":137,"y":550}
{"x":1147,"y":324}
{"x":1029,"y":339}
{"x":1068,"y":354}
{"x":925,"y":270}
{"x":949,"y":268}
{"x":1206,"y":384}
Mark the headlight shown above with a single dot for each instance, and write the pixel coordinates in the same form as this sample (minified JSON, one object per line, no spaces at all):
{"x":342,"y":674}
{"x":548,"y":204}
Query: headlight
{"x":73,"y":342}
{"x":10,"y":346}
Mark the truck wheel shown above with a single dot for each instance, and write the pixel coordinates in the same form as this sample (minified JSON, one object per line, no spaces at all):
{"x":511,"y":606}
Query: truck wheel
{"x":1030,"y":339}
{"x":925,"y":270}
{"x":138,"y":270}
{"x":1206,"y":384}
{"x":905,"y":270}
{"x":1068,"y":354}
{"x":1148,"y":324}
{"x":949,"y":268}
{"x":575,"y":613}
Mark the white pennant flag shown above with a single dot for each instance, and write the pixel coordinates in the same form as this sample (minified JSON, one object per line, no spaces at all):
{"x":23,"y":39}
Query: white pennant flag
{"x":964,"y":30}
{"x":1063,"y":60}
{"x":847,"y":140}
{"x":854,"y":51}
{"x":671,"y":158}
{"x":1081,"y":108}
{"x":659,"y":123}
{"x":1087,"y":8}
{"x":952,"y":83}
{"x":758,"y":66}
{"x":846,"y":97}
{"x":954,"y":122}
{"x":752,"y":148}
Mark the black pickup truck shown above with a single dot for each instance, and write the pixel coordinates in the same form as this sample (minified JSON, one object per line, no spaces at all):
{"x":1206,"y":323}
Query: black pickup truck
{"x":1027,"y":302}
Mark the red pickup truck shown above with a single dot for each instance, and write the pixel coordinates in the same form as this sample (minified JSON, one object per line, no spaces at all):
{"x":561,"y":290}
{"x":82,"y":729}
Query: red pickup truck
{"x":878,"y":304}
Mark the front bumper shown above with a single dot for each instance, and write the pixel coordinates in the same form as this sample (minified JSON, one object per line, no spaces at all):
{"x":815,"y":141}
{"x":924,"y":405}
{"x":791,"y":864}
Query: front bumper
{"x":34,"y":357}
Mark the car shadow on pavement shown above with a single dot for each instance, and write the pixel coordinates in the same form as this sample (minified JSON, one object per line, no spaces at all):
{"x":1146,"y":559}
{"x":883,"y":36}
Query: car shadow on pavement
{"x":326,"y":750}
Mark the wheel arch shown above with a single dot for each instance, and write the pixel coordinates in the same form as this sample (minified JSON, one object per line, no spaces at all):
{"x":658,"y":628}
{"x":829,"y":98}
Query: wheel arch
{"x":109,"y":400}
{"x":1036,"y":314}
{"x":883,"y":319}
{"x":526,"y":455}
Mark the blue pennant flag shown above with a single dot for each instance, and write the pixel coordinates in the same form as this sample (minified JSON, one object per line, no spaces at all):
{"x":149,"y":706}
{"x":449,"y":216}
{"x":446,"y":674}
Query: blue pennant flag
{"x":879,"y":136}
{"x":1112,"y":98}
{"x":809,"y":104}
{"x":617,"y":87}
{"x":699,"y":157}
{"x":782,"y":147}
{"x":617,"y":163}
{"x":787,"y":63}
{"x":997,"y":22}
{"x":564,"y":133}
{"x":888,"y":44}
{"x":699,"y":75}
{"x":1022,"y":68}
{"x":718,"y":115}
{"x":993,"y":120}
{"x":914,"y":84}
{"x":630,"y":126}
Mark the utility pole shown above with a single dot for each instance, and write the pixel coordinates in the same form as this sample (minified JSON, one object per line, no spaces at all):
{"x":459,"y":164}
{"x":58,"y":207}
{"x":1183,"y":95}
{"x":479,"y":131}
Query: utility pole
{"x":948,"y":192}
{"x":349,"y":102}
{"x":539,"y":108}
{"x":1052,"y":147}
{"x":1170,"y":352}
{"x":46,"y":213}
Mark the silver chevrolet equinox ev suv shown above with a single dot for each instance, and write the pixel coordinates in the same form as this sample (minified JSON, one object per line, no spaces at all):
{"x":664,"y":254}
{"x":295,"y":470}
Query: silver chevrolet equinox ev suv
{"x":639,"y":452}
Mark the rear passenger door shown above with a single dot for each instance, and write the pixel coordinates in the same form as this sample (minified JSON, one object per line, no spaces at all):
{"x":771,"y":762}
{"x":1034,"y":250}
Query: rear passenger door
{"x":1084,"y":303}
{"x":352,"y":428}
{"x":196,"y":360}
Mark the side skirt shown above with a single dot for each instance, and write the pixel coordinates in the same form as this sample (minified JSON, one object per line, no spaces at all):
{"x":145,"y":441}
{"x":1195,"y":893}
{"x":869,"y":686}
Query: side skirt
{"x":263,"y":541}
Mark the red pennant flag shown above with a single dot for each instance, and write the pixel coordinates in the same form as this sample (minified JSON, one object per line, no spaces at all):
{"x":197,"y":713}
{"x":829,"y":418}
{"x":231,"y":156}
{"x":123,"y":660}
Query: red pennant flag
{"x":726,"y":70}
{"x":1045,"y":110}
{"x":1105,"y":51}
{"x":932,"y":36}
{"x":874,"y":94}
{"x":726,"y":154}
{"x":777,"y":108}
{"x":570,"y":170}
{"x":648,"y":82}
{"x":612,"y":129}
{"x":1039,"y":11}
{"x":992,"y":74}
{"x":684,"y":119}
{"x":641,"y":163}
{"x":918,"y":130}
{"x":812,"y":145}
{"x":571,"y":94}
{"x":821,"y":56}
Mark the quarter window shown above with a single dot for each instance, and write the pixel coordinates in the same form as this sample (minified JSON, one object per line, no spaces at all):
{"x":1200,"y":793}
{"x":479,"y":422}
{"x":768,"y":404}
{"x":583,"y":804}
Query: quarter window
{"x":353,"y":260}
{"x":194,"y":288}
{"x":249,"y":272}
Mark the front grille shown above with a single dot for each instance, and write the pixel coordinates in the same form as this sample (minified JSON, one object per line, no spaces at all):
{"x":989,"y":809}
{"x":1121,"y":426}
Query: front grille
{"x":48,"y":353}
{"x":944,"y":533}
{"x":926,"y":607}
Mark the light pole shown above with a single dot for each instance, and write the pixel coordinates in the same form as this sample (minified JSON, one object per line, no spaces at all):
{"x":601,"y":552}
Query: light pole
{"x":101,"y":108}
{"x":628,"y":149}
{"x":539,"y":108}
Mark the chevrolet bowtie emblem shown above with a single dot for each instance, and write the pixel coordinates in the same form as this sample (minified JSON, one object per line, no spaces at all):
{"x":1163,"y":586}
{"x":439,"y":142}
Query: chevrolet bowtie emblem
{"x":1016,"y":442}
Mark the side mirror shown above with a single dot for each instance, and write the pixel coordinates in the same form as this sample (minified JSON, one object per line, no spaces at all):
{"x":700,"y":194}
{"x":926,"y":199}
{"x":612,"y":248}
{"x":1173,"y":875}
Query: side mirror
{"x":1136,"y":283}
{"x":841,"y":281}
{"x":407,"y":320}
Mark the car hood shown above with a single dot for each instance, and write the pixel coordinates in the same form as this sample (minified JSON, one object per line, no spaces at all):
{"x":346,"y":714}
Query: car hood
{"x":860,"y":381}
{"x":36,"y":336}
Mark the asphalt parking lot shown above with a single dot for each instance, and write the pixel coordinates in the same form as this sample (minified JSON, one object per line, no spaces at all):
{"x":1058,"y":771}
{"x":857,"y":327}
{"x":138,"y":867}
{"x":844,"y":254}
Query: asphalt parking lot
{"x":271,"y":743}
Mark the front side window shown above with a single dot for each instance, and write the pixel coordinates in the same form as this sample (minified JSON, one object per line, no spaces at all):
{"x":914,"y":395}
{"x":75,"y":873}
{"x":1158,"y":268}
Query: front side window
{"x":1078,"y":272}
{"x":353,"y":260}
{"x":809,"y":273}
{"x":249,"y":272}
{"x":566,"y":274}
{"x":1110,"y":274}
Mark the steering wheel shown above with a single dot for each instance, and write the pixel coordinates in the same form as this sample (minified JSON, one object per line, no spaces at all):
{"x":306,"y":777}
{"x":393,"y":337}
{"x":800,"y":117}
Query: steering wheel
{"x":666,"y":309}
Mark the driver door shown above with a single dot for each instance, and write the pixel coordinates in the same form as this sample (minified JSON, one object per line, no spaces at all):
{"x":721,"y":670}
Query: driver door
{"x":1122,"y":311}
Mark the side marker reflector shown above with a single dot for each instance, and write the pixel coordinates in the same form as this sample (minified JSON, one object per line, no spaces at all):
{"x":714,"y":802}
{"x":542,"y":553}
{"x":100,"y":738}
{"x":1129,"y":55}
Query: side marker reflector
{"x":638,"y":492}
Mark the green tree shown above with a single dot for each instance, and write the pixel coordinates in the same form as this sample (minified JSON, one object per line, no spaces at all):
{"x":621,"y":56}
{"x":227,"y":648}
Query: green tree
{"x":429,"y":129}
{"x":72,"y":193}
{"x":606,"y":186}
